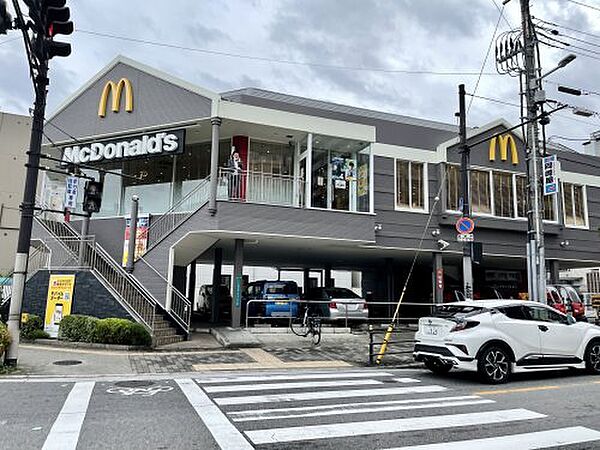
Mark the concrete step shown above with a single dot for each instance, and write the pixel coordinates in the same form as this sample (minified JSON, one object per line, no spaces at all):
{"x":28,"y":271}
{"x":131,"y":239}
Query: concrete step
{"x":165,"y":332}
{"x":167,"y":340}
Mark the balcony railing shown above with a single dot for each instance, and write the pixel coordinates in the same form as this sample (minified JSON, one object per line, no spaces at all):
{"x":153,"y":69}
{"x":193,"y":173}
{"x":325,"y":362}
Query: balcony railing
{"x":260,"y":187}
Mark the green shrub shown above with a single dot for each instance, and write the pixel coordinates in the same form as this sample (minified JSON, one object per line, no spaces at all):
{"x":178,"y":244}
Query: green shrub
{"x":139,"y":335}
{"x":38,"y":334}
{"x":33,"y":325}
{"x":4,"y":338}
{"x":77,"y":328}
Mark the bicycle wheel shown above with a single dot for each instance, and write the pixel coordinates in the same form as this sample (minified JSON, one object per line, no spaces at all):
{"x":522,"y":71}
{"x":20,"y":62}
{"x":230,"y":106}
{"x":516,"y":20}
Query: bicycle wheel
{"x":299,"y":326}
{"x":316,"y":331}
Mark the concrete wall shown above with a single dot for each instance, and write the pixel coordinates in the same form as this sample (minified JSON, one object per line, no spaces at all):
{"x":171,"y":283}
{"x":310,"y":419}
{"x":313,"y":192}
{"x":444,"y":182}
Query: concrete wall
{"x":14,"y":141}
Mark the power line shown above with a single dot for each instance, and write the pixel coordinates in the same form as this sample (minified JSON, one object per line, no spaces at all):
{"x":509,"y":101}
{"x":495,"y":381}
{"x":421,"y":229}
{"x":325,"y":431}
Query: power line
{"x":583,"y":90}
{"x":501,"y":11}
{"x":487,"y":54}
{"x":286,"y":61}
{"x":569,"y":28}
{"x":584,"y":5}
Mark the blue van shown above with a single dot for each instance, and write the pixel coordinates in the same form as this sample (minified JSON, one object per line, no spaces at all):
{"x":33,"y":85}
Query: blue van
{"x":278,"y":295}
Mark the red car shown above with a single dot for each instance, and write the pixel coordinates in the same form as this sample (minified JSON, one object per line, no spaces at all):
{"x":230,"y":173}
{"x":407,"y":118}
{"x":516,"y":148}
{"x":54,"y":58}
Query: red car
{"x":573,"y":302}
{"x":554,"y":299}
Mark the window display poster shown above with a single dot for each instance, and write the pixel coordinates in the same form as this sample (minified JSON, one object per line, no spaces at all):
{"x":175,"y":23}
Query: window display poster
{"x":141,"y":241}
{"x":58,"y":301}
{"x":349,"y":169}
{"x":337,"y":167}
{"x":363,"y":180}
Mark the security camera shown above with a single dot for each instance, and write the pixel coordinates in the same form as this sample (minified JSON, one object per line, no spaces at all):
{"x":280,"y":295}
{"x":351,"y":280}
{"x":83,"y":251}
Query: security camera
{"x":442,"y":244}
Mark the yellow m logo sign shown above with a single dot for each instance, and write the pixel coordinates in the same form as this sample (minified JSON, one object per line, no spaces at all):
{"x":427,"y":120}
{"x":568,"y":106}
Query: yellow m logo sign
{"x":116,"y":89}
{"x":504,"y":141}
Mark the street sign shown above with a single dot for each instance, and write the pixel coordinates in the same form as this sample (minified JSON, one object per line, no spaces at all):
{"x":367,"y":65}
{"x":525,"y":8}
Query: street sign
{"x":71,"y":192}
{"x":465,"y":225}
{"x":465,"y":237}
{"x":550,"y":179}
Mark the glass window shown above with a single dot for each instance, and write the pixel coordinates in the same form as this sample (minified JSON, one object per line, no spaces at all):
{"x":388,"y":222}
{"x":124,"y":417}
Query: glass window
{"x":154,"y":186}
{"x":363,"y":185}
{"x":480,"y":192}
{"x":410,"y":185}
{"x":514,"y":312}
{"x":522,"y":195}
{"x":452,"y":188}
{"x":503,"y":194}
{"x":574,"y":205}
{"x":319,"y":178}
{"x":190,"y":168}
{"x":541,"y":314}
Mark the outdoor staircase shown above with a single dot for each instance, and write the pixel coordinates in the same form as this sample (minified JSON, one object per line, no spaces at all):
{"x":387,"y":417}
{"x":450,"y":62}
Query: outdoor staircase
{"x":125,"y":288}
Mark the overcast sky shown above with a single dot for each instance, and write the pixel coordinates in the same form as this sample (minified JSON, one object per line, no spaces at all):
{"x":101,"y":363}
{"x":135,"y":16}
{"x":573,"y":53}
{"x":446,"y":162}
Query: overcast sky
{"x":432,"y":35}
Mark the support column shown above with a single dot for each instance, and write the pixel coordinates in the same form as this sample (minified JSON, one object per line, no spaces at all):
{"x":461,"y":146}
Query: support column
{"x":191,"y":287}
{"x":238,"y":269}
{"x":554,"y":271}
{"x":216,"y":282}
{"x":438,"y":278}
{"x":214,"y":165}
{"x":328,"y":279}
{"x":306,"y":281}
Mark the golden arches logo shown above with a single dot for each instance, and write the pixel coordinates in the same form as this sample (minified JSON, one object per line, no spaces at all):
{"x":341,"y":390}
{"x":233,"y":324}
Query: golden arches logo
{"x":116,"y":90}
{"x":504,"y":141}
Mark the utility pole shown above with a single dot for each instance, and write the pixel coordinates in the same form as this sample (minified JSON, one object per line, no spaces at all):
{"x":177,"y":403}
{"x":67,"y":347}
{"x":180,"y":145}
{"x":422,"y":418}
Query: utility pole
{"x":536,"y":264}
{"x":48,"y":18}
{"x":465,"y":162}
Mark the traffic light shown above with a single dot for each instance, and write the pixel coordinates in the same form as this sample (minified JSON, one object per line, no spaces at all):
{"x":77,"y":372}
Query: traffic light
{"x":51,"y":17}
{"x":5,"y":19}
{"x":92,"y":197}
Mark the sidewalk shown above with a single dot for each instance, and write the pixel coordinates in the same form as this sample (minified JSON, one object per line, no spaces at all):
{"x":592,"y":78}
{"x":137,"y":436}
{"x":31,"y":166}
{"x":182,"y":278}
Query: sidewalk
{"x":203,"y":352}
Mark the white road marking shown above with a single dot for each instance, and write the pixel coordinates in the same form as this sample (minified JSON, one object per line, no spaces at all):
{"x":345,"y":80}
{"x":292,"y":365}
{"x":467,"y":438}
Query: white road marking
{"x":253,"y":411}
{"x":64,"y":433}
{"x":283,"y":377}
{"x":312,"y":432}
{"x":525,"y":441}
{"x":300,"y":396}
{"x":406,"y":380}
{"x":226,"y":435}
{"x":298,"y":385}
{"x":367,"y":409}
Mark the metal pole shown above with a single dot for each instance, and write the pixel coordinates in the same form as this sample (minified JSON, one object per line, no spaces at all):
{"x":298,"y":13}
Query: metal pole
{"x":465,"y":162}
{"x":238,"y":268}
{"x":214,"y":165}
{"x":535,"y":232}
{"x":27,"y":209}
{"x":85,"y":226}
{"x":132,"y":234}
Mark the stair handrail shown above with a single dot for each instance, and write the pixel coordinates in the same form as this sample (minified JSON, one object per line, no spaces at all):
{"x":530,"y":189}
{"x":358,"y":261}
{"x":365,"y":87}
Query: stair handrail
{"x":32,"y":269}
{"x":174,"y":217}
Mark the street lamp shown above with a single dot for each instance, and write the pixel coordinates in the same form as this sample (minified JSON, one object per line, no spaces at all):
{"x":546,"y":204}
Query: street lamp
{"x":562,"y":63}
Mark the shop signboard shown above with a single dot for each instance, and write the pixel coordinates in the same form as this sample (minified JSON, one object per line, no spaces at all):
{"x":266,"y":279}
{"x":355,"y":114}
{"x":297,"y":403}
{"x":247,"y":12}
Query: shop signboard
{"x":141,"y":242}
{"x":71,"y":192}
{"x":58,"y":302}
{"x":363,"y":180}
{"x":550,"y":178}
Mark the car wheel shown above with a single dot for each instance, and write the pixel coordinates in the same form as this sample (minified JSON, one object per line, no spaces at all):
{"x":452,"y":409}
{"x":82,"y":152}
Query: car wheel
{"x":592,"y":358}
{"x":438,"y":367}
{"x":494,"y":365}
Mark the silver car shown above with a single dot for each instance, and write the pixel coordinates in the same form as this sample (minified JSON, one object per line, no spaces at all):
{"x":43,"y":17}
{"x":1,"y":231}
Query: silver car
{"x":335,"y":303}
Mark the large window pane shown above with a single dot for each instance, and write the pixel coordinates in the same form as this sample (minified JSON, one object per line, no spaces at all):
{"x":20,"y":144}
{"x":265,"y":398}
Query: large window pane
{"x":578,"y":206}
{"x":319,"y":178}
{"x":154,"y":186}
{"x":568,"y":201}
{"x":363,"y":183}
{"x":402,"y":183}
{"x":521,"y":196}
{"x":417,"y":186}
{"x":191,"y":167}
{"x":549,"y":207}
{"x":503,"y":195}
{"x":452,"y":187}
{"x":480,"y":192}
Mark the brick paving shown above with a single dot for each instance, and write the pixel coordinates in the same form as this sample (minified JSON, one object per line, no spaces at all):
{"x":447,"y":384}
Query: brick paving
{"x":184,"y":362}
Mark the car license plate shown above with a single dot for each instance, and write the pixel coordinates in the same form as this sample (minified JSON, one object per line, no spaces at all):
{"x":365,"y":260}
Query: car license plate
{"x":281,"y":303}
{"x":431,"y":331}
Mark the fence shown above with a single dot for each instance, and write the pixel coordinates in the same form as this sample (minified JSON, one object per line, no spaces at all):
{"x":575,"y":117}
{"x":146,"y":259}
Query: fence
{"x":260,"y":187}
{"x":400,"y":344}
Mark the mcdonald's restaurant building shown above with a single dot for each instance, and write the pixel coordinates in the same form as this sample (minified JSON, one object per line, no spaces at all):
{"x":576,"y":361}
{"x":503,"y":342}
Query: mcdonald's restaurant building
{"x":258,"y":178}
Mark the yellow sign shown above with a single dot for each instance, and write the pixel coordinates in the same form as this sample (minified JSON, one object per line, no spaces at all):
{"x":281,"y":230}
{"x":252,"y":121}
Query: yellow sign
{"x":504,"y":141}
{"x":116,"y":91}
{"x":59,"y":301}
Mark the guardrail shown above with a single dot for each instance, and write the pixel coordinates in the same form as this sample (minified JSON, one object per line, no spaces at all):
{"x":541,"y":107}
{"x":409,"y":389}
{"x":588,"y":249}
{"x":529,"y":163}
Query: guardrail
{"x":345,"y":315}
{"x":396,"y":340}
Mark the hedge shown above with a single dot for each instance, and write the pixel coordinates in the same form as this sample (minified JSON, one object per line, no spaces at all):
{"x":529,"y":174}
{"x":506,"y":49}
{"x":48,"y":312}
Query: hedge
{"x":103,"y":331}
{"x":4,"y":338}
{"x":33,"y":328}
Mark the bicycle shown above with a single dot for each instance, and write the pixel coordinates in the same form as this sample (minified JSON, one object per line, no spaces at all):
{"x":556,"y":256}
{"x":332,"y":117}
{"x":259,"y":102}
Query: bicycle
{"x":308,"y":325}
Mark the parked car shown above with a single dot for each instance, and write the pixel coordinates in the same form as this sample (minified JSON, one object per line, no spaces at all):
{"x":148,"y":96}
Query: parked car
{"x":572,"y":301}
{"x":498,"y":337}
{"x":204,"y":302}
{"x":554,"y":299}
{"x":336,"y":303}
{"x":278,"y":299}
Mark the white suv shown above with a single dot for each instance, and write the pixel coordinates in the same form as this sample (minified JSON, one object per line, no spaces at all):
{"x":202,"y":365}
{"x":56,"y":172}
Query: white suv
{"x":499,"y":337}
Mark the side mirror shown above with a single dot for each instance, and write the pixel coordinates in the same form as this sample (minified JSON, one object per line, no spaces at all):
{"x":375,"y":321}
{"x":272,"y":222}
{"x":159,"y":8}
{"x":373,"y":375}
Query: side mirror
{"x":571,"y":320}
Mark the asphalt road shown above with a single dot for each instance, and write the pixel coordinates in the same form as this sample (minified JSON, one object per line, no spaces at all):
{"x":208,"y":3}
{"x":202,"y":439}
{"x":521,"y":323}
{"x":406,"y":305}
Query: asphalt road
{"x":341,"y":409}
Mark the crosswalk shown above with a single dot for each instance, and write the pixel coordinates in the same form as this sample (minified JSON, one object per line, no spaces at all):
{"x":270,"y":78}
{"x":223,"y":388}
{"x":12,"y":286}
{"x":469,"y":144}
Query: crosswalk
{"x":358,"y":408}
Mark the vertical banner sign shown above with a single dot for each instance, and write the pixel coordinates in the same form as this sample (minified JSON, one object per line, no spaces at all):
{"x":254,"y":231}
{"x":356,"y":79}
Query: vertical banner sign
{"x":71,"y":192}
{"x":238,"y":292}
{"x":550,"y":179}
{"x":58,"y":302}
{"x":141,"y":242}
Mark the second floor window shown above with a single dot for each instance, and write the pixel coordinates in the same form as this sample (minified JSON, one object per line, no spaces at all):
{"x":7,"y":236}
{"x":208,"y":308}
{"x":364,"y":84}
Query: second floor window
{"x":503,"y":194}
{"x":522,"y":195}
{"x":410,"y":185}
{"x":480,"y":192}
{"x":574,"y":205}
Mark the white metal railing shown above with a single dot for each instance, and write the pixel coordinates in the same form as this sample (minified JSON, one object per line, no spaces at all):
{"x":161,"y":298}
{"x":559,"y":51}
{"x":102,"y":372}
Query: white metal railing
{"x":178,"y":213}
{"x":260,"y":187}
{"x":38,"y":260}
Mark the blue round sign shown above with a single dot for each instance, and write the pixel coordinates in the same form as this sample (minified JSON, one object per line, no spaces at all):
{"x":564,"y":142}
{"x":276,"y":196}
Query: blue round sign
{"x":465,"y":225}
